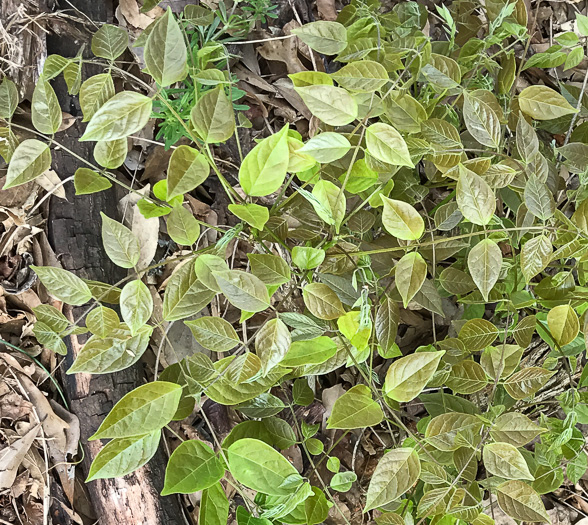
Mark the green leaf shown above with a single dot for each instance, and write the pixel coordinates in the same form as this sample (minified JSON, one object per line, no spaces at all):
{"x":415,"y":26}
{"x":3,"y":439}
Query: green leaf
{"x":307,"y":258}
{"x":527,"y":382}
{"x":111,"y":154}
{"x":122,"y":115}
{"x":481,"y":121}
{"x":244,"y":518}
{"x":120,"y":244}
{"x":199,"y":16}
{"x":475,"y":199}
{"x":8,"y":144}
{"x":270,"y":269}
{"x":102,"y":321}
{"x":110,"y":42}
{"x":87,"y":181}
{"x":45,"y":108}
{"x":182,"y":226}
{"x":328,"y":38}
{"x":212,"y":117}
{"x":185,"y":295}
{"x":272,"y":343}
{"x":543,"y":103}
{"x":214,"y":333}
{"x":410,"y":274}
{"x":205,"y":266}
{"x":342,"y":481}
{"x":48,"y":338}
{"x":147,"y":408}
{"x":387,"y":145}
{"x":408,"y":375}
{"x":264,"y":405}
{"x":30,"y":159}
{"x":316,"y":507}
{"x":536,"y":254}
{"x":322,"y":302}
{"x":501,"y":361}
{"x":505,"y":461}
{"x":259,"y":467}
{"x":361,"y":177}
{"x":243,"y":290}
{"x":165,"y":52}
{"x":538,"y":198}
{"x":136,"y":305}
{"x":355,"y":409}
{"x":563,"y":324}
{"x":63,"y":285}
{"x":402,"y":220}
{"x":253,"y":214}
{"x":365,"y":76}
{"x":484,"y":263}
{"x":122,"y":456}
{"x":406,"y":112}
{"x":310,"y":352}
{"x":467,"y":378}
{"x":214,"y":505}
{"x":514,"y":428}
{"x":302,"y":394}
{"x":333,"y":105}
{"x":187,"y":169}
{"x":52,"y":317}
{"x":327,"y":147}
{"x":477,"y":334}
{"x":395,"y":473}
{"x":8,"y":98}
{"x":264,"y":168}
{"x":519,"y":501}
{"x":330,"y":203}
{"x":192,"y":466}
{"x":386,"y":325}
{"x":443,"y":429}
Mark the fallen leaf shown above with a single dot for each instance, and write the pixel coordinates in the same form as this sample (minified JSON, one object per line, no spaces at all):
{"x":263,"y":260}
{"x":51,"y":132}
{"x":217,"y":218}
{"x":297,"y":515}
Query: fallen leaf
{"x":11,"y":457}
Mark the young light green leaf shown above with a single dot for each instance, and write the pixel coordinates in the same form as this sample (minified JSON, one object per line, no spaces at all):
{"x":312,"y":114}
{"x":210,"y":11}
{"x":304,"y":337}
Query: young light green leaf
{"x":467,"y":378}
{"x":538,"y":198}
{"x":185,"y":295}
{"x":443,"y":429}
{"x":502,"y":360}
{"x":327,"y":147}
{"x":387,"y":145}
{"x":330,"y":203}
{"x":187,"y":169}
{"x":214,"y":333}
{"x":122,"y":456}
{"x":212,"y":116}
{"x":527,"y":140}
{"x":307,"y":258}
{"x":214,"y":505}
{"x":527,"y":382}
{"x":192,"y":466}
{"x":402,"y":220}
{"x":253,"y":214}
{"x":120,"y":244}
{"x":481,"y":121}
{"x":365,"y":76}
{"x":260,"y":467}
{"x":166,"y":56}
{"x":355,"y":409}
{"x":87,"y":181}
{"x":124,"y":114}
{"x":30,"y":159}
{"x":264,"y":405}
{"x":94,"y":93}
{"x":514,"y":428}
{"x":264,"y":168}
{"x":110,"y":42}
{"x":136,"y":305}
{"x":144,"y":410}
{"x":111,"y":154}
{"x":205,"y":266}
{"x":519,"y":501}
{"x":63,"y":285}
{"x":563,"y":324}
{"x":310,"y":352}
{"x":395,"y":473}
{"x":484,"y":263}
{"x":475,"y":198}
{"x":333,"y":105}
{"x":536,"y":254}
{"x":243,"y":290}
{"x":102,"y":321}
{"x":324,"y":37}
{"x":410,"y":274}
{"x":477,"y":334}
{"x":270,"y":269}
{"x":45,"y":108}
{"x":182,"y":226}
{"x":322,"y":302}
{"x":543,"y":103}
{"x":272,"y":344}
{"x":505,"y":461}
{"x":408,"y":375}
{"x":8,"y":98}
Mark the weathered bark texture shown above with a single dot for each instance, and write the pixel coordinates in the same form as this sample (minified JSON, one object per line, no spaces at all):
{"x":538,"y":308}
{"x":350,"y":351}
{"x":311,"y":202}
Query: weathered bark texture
{"x":74,"y":231}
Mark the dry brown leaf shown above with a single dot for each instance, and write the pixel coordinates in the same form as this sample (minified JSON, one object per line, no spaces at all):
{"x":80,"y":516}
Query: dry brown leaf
{"x":285,"y":51}
{"x":326,"y":9}
{"x":11,"y":457}
{"x":130,"y":10}
{"x":51,"y":183}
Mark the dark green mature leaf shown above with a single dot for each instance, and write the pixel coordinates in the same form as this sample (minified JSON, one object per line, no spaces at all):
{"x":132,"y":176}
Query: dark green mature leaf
{"x":272,"y":343}
{"x":484,"y":263}
{"x":243,"y":290}
{"x":270,"y":269}
{"x":443,"y":429}
{"x":212,"y":116}
{"x":543,"y":103}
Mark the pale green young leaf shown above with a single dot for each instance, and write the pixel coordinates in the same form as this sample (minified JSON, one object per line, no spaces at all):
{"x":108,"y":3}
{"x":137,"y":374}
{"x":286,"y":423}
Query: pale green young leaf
{"x":263,"y":406}
{"x":582,"y":23}
{"x":538,"y":198}
{"x":182,"y":226}
{"x":52,"y":317}
{"x":307,"y":258}
{"x":514,"y":428}
{"x":45,"y":108}
{"x":310,"y":78}
{"x":467,"y":378}
{"x":63,"y":285}
{"x":343,"y":481}
{"x":102,"y":321}
{"x":120,"y":244}
{"x":481,"y":121}
{"x":527,"y":382}
{"x":502,"y":360}
{"x":333,"y":105}
{"x":536,"y":254}
{"x":322,"y":302}
{"x":8,"y":144}
{"x":264,"y":168}
{"x":253,"y":214}
{"x":477,"y":334}
{"x":185,"y":295}
{"x":165,"y":55}
{"x":475,"y":198}
{"x":386,"y":326}
{"x":387,"y":145}
{"x":9,"y":98}
{"x":310,"y":352}
{"x":192,"y":466}
{"x":527,"y":140}
{"x":298,"y":161}
{"x":361,"y":177}
{"x":110,"y":42}
{"x":355,"y":409}
{"x":87,"y":181}
{"x":122,"y":115}
{"x":270,"y":269}
{"x":327,"y":147}
{"x":272,"y":343}
{"x":48,"y":338}
{"x":243,"y":290}
{"x":410,"y":274}
{"x":519,"y":501}
{"x":442,"y":72}
{"x":205,"y":266}
{"x":563,"y":324}
{"x":395,"y":473}
{"x":330,"y":203}
{"x":328,"y":38}
{"x":214,"y":505}
{"x":136,"y":305}
{"x":444,"y":428}
{"x":406,"y":112}
{"x":407,"y":377}
{"x":187,"y":169}
{"x":143,"y":410}
{"x":484,"y":263}
{"x":212,"y":117}
{"x":543,"y":103}
{"x":402,"y":220}
{"x":30,"y":159}
{"x":94,"y":93}
{"x":316,"y":508}
{"x":214,"y":333}
{"x":505,"y":461}
{"x":122,"y":456}
{"x":111,"y":154}
{"x":365,"y":76}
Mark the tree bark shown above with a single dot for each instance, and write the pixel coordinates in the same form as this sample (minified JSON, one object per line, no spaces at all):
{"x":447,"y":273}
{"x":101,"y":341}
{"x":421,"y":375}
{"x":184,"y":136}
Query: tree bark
{"x":75,"y":233}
